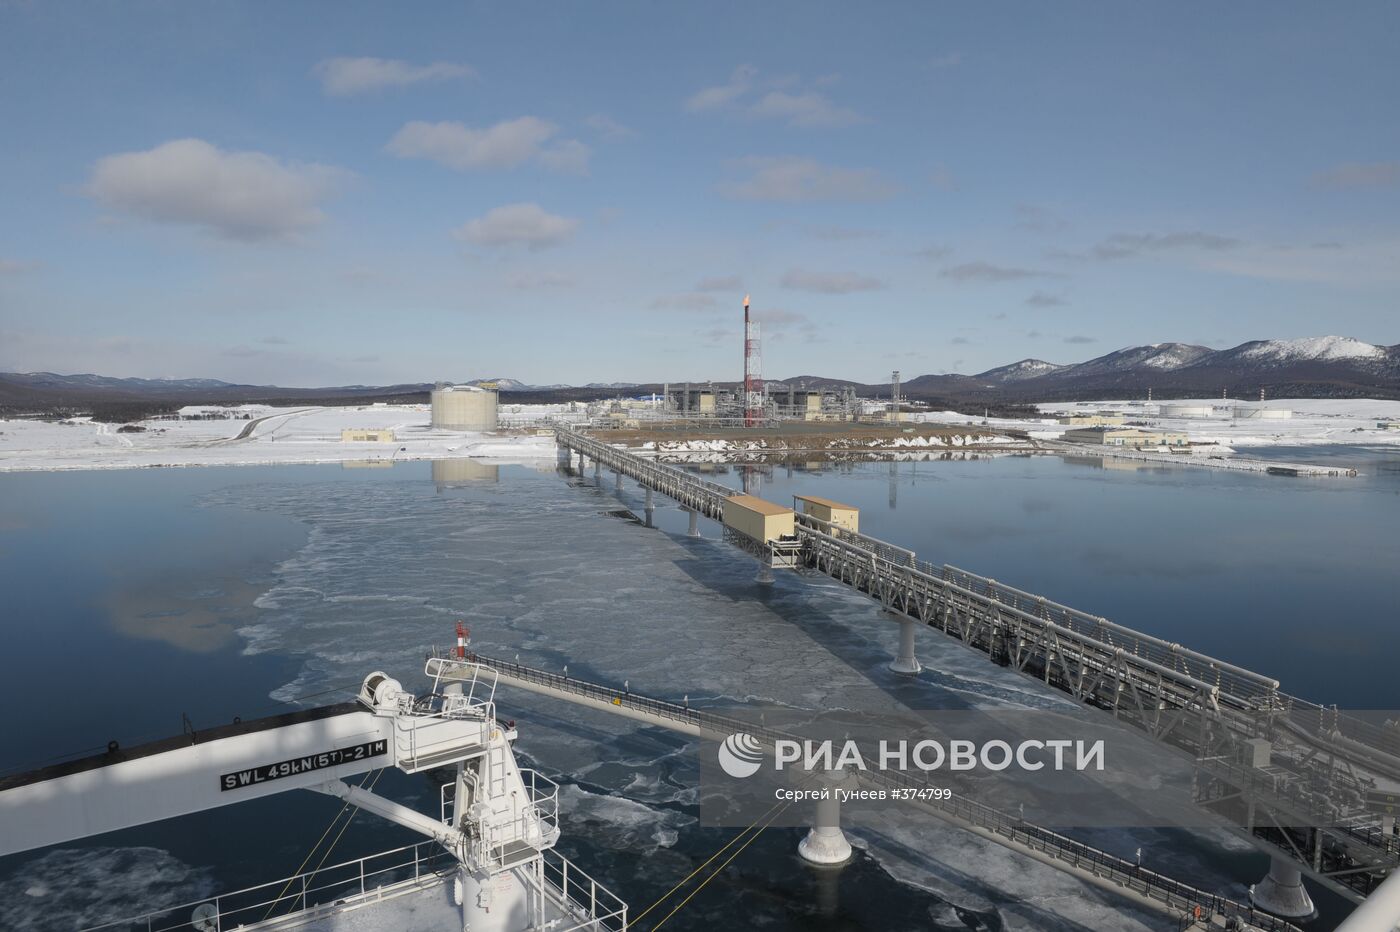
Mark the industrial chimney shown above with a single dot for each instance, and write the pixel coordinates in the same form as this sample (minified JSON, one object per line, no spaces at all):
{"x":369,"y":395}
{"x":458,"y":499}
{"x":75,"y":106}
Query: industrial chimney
{"x":753,"y":379}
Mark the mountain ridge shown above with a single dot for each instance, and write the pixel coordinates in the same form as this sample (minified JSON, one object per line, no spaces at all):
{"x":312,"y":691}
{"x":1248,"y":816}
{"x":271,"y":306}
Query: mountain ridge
{"x":1326,"y":366}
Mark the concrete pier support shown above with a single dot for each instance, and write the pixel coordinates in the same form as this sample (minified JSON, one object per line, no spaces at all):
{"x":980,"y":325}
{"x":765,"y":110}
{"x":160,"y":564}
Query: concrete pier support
{"x":1282,"y":892}
{"x":906,"y":662}
{"x":597,"y":470}
{"x":694,"y":530}
{"x":651,"y":508}
{"x":618,"y":484}
{"x":765,"y":575}
{"x":826,"y":844}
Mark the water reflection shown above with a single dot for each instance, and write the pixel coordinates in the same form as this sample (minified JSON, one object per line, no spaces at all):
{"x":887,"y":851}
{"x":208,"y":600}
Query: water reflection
{"x":455,"y":473}
{"x":200,"y":620}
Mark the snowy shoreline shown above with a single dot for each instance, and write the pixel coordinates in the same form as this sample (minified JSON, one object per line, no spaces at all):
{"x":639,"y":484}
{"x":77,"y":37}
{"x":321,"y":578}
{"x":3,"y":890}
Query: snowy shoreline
{"x":249,"y":435}
{"x":254,"y":435}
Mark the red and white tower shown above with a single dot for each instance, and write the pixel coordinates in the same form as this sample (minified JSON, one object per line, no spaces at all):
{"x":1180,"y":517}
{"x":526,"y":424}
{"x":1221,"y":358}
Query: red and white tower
{"x":753,"y":378}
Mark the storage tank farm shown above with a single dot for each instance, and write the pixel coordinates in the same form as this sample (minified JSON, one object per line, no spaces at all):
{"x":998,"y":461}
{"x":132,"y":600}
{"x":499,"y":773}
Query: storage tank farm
{"x":464,"y":407}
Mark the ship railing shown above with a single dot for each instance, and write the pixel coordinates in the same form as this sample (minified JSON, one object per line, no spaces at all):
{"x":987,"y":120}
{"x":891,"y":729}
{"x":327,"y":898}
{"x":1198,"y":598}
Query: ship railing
{"x":478,"y":683}
{"x":587,"y":903}
{"x":432,"y":734}
{"x":384,"y":875}
{"x":531,"y":829}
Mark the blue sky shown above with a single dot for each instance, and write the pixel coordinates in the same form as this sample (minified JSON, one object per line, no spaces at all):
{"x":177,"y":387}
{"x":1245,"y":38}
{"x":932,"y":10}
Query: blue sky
{"x":339,"y":193}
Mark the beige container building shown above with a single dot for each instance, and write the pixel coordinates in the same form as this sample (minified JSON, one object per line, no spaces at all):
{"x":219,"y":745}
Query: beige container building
{"x":706,"y":404}
{"x":758,"y":518}
{"x":464,"y":407}
{"x":367,"y":435}
{"x":833,"y":513}
{"x":813,"y":410}
{"x":1125,"y":437}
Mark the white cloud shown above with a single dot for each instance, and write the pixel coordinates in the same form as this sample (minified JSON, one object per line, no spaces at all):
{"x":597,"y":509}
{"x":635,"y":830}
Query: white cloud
{"x":811,"y":110}
{"x":504,"y":145}
{"x":344,"y":76}
{"x":1124,"y":245}
{"x":829,"y":282}
{"x":792,"y":179}
{"x":1039,"y":219}
{"x":774,"y":101}
{"x":720,"y":283}
{"x":1360,"y":175}
{"x":538,"y":281}
{"x":527,"y":225}
{"x":237,"y":195}
{"x":688,"y":301}
{"x":608,"y":128}
{"x":779,"y":316}
{"x":568,"y":157}
{"x":980,"y":271}
{"x":1045,"y":299}
{"x":844,"y":233}
{"x":1349,"y":265}
{"x":942,"y":178}
{"x":16,"y":266}
{"x":712,"y":98}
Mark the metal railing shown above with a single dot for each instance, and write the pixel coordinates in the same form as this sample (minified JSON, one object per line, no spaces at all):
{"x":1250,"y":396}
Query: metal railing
{"x":534,"y":826}
{"x":1141,"y":679}
{"x":589,"y":904}
{"x":387,"y":874}
{"x":1169,"y":893}
{"x":701,"y":495}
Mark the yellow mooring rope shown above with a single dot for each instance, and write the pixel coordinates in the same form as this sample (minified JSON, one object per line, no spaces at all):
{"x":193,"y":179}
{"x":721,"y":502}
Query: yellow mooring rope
{"x":719,"y":870}
{"x":307,"y":860}
{"x":779,"y":807}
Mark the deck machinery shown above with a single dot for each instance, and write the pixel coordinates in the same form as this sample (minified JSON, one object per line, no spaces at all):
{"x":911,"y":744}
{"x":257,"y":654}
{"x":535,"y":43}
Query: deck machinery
{"x":490,"y":867}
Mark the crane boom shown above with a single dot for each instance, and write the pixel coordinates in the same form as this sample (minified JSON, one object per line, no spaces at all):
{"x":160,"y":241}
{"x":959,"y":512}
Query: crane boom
{"x":232,"y":764}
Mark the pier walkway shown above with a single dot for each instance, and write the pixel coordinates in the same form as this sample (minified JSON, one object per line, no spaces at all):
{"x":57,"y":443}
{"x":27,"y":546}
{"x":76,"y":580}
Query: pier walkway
{"x":1307,"y":783}
{"x":1088,"y":863}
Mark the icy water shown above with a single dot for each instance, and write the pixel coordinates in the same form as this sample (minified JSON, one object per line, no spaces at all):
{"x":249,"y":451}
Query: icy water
{"x":137,"y":597}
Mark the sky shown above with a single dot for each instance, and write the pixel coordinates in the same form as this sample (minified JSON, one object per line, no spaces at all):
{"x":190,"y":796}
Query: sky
{"x":338,"y":193}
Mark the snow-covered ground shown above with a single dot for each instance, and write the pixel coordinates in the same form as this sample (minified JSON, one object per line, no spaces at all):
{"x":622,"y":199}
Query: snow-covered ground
{"x":1314,"y":421}
{"x":257,"y":434}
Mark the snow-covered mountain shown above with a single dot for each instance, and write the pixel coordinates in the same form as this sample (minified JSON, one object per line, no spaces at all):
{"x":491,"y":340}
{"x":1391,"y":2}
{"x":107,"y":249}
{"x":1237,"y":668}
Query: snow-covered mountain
{"x":86,"y":380}
{"x":1020,"y":371}
{"x":1317,"y":366}
{"x":1325,"y":365}
{"x":1152,"y":357}
{"x":1275,"y":352}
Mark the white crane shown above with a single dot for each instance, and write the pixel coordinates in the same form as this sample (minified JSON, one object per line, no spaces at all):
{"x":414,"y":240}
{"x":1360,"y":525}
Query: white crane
{"x":499,"y":824}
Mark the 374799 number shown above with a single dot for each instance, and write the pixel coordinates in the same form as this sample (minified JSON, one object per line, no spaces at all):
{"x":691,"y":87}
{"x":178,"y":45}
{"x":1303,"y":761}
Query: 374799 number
{"x":253,"y":776}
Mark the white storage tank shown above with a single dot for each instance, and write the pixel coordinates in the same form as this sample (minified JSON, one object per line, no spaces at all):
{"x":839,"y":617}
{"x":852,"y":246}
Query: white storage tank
{"x":1272,"y":414}
{"x":1186,"y":411}
{"x":464,"y":407}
